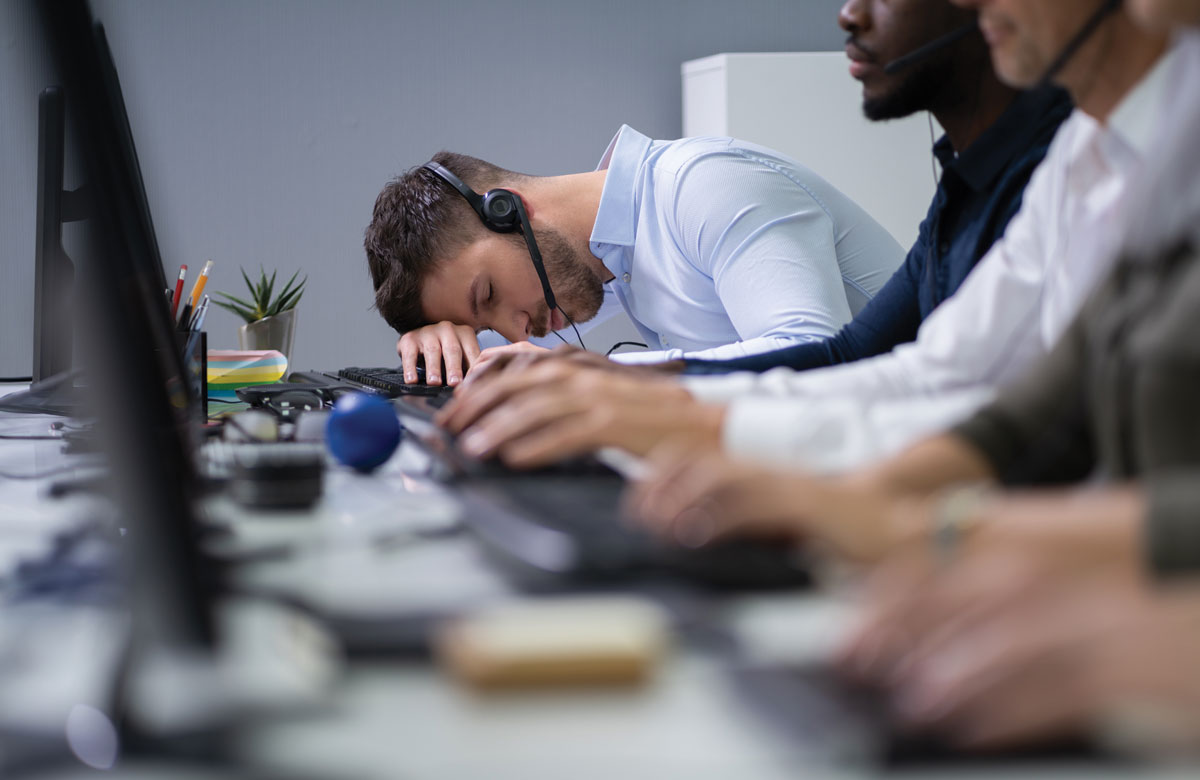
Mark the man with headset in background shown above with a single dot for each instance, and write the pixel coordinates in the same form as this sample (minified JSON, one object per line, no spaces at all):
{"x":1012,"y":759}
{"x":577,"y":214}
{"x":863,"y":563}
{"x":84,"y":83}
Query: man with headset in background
{"x":1105,"y":645}
{"x":711,"y":245}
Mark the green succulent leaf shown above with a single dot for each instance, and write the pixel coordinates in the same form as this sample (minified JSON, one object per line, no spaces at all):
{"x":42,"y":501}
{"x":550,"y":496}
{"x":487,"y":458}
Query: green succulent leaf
{"x":240,"y":311}
{"x":236,"y":300}
{"x":263,"y":300}
{"x":268,"y":289}
{"x":286,"y":302}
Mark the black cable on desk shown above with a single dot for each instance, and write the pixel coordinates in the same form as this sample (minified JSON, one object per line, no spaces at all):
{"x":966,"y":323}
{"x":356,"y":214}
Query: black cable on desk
{"x":620,"y":344}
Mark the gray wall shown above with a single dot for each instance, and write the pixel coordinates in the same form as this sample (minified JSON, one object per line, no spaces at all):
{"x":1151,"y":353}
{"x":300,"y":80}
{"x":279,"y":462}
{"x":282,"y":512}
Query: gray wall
{"x":265,"y":129}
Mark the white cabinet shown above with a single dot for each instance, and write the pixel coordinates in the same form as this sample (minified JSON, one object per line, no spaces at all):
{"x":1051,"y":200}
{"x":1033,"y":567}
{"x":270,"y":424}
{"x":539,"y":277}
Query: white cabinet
{"x":807,"y":106}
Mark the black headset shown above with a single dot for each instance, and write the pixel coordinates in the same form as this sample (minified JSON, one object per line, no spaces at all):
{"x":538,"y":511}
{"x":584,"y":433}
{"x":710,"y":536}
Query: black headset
{"x":501,"y":211}
{"x":1089,"y":27}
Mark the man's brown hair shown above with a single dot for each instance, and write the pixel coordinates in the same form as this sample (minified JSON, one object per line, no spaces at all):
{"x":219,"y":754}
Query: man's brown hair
{"x":418,"y":222}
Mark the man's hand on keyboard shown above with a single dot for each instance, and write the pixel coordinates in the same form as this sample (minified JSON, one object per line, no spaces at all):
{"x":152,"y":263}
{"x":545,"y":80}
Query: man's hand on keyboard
{"x":1007,"y":648}
{"x":695,"y":495}
{"x":455,"y":345}
{"x":496,"y":358}
{"x":554,"y":409}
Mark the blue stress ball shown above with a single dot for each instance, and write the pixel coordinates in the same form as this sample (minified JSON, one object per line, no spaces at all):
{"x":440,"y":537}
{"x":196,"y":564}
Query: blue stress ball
{"x":362,"y":431}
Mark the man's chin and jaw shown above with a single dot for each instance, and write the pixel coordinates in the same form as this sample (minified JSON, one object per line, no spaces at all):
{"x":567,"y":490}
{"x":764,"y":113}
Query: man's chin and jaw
{"x":578,"y":291}
{"x":884,"y":40}
{"x":895,"y":97}
{"x":1016,"y":56}
{"x":1024,"y":37}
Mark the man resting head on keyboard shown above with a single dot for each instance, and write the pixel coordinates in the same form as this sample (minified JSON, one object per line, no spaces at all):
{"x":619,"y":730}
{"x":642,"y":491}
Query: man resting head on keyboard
{"x":713,"y":246}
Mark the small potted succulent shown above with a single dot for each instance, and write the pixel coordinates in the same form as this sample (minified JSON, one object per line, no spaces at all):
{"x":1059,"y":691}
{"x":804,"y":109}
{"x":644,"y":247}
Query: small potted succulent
{"x":270,"y":318}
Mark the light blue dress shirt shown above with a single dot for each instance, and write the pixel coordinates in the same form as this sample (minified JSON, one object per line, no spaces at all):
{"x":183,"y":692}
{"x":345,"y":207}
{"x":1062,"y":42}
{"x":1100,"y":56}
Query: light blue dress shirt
{"x":722,"y":248}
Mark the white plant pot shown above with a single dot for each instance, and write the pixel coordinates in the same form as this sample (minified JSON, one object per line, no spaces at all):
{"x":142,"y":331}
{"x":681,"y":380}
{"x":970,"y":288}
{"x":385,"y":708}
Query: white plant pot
{"x":276,"y":333}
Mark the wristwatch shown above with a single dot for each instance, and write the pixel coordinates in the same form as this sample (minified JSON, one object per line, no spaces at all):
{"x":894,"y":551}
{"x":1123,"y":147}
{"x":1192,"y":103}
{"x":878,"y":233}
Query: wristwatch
{"x":956,"y":515}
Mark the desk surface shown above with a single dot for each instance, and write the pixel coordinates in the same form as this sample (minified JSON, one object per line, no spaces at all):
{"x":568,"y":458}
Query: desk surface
{"x":27,"y":520}
{"x":401,"y":717}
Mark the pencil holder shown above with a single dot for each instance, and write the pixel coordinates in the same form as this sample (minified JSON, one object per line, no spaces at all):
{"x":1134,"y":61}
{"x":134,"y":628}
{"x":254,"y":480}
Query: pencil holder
{"x":194,"y":351}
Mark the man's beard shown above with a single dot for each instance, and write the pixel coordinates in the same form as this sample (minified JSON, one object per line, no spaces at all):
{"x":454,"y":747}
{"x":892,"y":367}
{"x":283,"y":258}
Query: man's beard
{"x":577,"y":289}
{"x":921,"y":89}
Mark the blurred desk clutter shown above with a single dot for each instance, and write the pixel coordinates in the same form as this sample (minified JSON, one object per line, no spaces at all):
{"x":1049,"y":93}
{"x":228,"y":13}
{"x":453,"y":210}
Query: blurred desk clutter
{"x":381,"y":600}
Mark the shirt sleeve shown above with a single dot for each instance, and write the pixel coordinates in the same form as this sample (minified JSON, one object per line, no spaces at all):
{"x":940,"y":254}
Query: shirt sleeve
{"x":892,"y":317}
{"x":836,"y":434}
{"x":1172,"y":535}
{"x":1037,"y":430}
{"x":767,"y":243}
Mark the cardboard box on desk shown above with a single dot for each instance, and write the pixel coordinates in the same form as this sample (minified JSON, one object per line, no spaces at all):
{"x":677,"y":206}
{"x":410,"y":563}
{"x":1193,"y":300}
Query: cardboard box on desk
{"x":615,"y":640}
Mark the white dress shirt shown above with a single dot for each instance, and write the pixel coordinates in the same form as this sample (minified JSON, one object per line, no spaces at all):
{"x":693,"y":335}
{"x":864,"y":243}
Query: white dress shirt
{"x":721,"y":248}
{"x":1165,"y":203}
{"x":1008,"y":312}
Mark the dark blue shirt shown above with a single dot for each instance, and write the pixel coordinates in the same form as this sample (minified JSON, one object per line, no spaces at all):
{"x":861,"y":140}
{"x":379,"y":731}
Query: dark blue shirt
{"x":979,"y":192}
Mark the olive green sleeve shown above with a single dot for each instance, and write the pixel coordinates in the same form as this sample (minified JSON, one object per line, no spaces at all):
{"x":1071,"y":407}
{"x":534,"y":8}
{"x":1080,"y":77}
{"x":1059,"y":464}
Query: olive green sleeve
{"x":1036,"y":431}
{"x":1172,"y":528}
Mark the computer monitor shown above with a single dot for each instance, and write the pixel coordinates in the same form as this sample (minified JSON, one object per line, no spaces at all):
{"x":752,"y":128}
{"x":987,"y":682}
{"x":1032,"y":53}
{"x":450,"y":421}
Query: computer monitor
{"x":129,"y":350}
{"x":57,"y":306}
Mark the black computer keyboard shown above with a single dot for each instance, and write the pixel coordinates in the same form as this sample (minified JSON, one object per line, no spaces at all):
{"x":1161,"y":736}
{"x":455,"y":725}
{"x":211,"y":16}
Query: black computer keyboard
{"x":391,"y":382}
{"x":568,"y":523}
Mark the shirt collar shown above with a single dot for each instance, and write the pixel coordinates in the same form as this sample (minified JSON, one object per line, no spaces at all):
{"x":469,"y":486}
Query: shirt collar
{"x":1008,"y":137}
{"x":616,"y":219}
{"x":1133,"y":120}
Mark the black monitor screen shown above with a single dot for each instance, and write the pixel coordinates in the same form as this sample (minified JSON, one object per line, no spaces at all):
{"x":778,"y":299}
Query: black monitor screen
{"x":131,"y":356}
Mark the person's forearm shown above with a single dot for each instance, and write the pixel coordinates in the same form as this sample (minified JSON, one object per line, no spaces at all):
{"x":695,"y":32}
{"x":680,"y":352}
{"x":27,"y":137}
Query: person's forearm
{"x":1078,"y":527}
{"x":928,"y":466}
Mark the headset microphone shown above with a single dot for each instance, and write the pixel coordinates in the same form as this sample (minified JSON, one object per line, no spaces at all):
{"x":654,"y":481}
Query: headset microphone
{"x":929,"y":49}
{"x":1089,"y":27}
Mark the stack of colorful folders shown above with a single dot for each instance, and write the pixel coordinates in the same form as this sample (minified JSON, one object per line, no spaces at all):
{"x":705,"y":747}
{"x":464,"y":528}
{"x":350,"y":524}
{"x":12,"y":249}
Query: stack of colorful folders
{"x":230,"y":369}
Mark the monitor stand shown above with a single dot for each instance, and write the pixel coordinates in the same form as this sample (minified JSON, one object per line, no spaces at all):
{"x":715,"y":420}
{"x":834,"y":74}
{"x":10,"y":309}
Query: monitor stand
{"x":62,"y":394}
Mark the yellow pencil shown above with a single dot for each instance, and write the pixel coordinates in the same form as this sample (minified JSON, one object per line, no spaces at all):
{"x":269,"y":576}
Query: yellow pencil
{"x":198,"y":287}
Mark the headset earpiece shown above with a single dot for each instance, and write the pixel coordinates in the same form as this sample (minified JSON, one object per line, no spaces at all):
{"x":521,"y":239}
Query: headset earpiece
{"x":499,"y":211}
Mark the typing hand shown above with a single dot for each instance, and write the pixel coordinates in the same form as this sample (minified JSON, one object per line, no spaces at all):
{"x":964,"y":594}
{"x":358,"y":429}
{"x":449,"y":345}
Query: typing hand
{"x":445,"y":342}
{"x":553,"y":409}
{"x":912,"y":597}
{"x":1079,"y":651}
{"x":499,"y":358}
{"x":696,"y":495}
